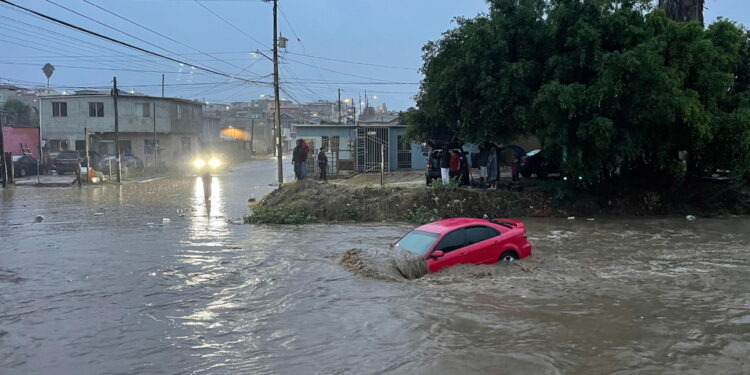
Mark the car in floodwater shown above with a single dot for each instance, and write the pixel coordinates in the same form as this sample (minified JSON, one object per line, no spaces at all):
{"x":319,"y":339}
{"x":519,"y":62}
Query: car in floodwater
{"x":455,"y":241}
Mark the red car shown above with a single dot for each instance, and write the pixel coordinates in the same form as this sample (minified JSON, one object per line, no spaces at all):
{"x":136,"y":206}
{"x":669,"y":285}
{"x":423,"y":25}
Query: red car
{"x":467,"y":241}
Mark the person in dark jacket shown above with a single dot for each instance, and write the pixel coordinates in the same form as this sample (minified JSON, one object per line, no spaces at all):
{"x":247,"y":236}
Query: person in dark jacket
{"x":464,"y":169}
{"x":484,"y":154}
{"x":299,"y":158}
{"x":323,"y":164}
{"x":445,"y":164}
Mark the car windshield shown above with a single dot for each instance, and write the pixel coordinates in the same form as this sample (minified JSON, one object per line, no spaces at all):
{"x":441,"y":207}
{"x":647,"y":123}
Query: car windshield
{"x":417,"y":241}
{"x":68,"y":155}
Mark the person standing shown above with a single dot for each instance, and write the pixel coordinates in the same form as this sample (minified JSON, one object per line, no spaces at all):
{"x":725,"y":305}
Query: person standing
{"x":455,"y":164}
{"x":308,"y":153}
{"x":299,"y":158}
{"x":484,"y":154}
{"x":323,"y":164}
{"x":445,"y":164}
{"x":492,"y":176}
{"x":464,"y":169}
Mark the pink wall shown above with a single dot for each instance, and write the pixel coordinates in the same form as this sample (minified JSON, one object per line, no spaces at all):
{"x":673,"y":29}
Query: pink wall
{"x":13,"y":137}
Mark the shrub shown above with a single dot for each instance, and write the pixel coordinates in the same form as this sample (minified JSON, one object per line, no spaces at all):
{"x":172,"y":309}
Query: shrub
{"x":279,"y":215}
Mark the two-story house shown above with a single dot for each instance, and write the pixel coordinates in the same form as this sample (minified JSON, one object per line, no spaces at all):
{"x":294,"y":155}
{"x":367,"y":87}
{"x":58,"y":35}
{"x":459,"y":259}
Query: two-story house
{"x":154,"y":129}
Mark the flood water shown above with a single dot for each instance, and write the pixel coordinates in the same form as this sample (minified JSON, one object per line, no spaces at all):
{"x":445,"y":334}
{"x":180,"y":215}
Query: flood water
{"x":103,"y":285}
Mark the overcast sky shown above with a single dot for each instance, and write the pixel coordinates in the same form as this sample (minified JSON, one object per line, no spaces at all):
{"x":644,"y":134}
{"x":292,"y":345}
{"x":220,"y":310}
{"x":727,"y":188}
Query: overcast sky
{"x":355,"y":45}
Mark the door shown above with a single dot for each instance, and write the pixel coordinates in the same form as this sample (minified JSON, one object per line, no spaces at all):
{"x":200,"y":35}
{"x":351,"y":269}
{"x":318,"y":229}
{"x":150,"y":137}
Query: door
{"x":481,"y":243}
{"x":452,"y":246}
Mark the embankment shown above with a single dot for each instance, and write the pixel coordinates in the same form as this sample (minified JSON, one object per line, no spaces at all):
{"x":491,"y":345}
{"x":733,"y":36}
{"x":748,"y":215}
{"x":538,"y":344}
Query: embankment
{"x":337,"y":202}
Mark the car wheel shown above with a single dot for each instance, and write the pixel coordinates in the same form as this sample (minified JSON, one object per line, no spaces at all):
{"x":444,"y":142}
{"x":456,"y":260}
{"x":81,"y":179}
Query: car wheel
{"x":508,"y":256}
{"x":22,"y":172}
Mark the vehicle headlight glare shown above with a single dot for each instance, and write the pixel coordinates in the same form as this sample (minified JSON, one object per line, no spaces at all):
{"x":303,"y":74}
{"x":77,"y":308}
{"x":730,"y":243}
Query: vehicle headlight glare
{"x":213,"y":163}
{"x":199,"y":163}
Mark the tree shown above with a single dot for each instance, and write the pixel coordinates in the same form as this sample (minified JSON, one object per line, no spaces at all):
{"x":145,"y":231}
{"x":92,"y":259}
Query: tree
{"x":48,"y":69}
{"x":18,"y":113}
{"x":683,"y":10}
{"x":612,"y":88}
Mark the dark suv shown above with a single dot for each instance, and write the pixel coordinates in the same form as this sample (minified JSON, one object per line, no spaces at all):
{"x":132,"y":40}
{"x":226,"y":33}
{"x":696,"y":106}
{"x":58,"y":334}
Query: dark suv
{"x":433,"y":166}
{"x":67,"y":161}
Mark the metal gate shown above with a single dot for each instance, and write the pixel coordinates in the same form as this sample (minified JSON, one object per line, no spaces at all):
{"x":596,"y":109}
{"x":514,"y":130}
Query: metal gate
{"x":372,"y":147}
{"x":404,"y":153}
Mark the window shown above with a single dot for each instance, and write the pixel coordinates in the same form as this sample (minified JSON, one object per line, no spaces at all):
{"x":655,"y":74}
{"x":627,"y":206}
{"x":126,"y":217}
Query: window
{"x":417,"y":241}
{"x":144,"y":109}
{"x":479,"y":234}
{"x":59,"y":109}
{"x":96,"y":109}
{"x":148,"y":146}
{"x":330,"y":143}
{"x":452,"y":241}
{"x":186,"y":145}
{"x":179,"y":111}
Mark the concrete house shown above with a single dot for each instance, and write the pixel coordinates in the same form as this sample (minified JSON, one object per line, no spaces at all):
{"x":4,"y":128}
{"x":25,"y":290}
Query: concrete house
{"x":154,"y":129}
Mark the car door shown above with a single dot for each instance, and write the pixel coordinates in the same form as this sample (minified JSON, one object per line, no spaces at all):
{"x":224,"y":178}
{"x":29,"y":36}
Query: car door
{"x":452,"y":246}
{"x":481,"y":243}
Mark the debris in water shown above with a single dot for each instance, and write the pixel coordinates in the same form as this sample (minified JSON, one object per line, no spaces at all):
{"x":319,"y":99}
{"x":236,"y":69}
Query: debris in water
{"x":251,"y":200}
{"x":571,"y":217}
{"x":590,"y":219}
{"x":98,"y":213}
{"x":166,"y":220}
{"x":690,"y":217}
{"x":39,"y":218}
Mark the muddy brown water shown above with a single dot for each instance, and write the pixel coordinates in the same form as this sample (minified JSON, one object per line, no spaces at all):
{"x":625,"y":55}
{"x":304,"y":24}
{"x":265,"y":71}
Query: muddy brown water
{"x":103,"y":286}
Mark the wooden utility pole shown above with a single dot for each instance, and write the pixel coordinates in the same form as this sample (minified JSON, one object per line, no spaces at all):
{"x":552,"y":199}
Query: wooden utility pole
{"x":117,"y":128}
{"x":2,"y":154}
{"x":252,"y":135}
{"x":162,"y":85}
{"x":277,"y":115}
{"x":339,"y":106}
{"x":156,"y":162}
{"x":382,"y":164}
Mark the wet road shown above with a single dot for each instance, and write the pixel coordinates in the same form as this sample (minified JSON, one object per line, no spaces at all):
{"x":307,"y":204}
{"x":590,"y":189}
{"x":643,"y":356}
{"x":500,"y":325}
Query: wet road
{"x":104,"y":286}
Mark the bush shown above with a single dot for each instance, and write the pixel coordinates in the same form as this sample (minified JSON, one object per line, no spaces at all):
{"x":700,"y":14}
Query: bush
{"x":279,"y":215}
{"x":558,"y":190}
{"x":420,"y":215}
{"x":452,"y":184}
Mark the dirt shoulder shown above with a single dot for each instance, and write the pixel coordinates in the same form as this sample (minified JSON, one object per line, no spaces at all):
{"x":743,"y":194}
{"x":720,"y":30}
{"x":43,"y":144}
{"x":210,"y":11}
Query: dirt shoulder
{"x":413,"y":203}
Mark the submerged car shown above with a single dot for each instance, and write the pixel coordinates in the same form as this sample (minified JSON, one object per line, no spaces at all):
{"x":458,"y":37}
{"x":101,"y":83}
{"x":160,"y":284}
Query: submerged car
{"x":467,"y":241}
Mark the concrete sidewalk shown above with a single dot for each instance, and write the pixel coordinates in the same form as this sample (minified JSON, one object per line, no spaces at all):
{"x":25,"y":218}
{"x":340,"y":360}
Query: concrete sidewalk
{"x":53,"y":181}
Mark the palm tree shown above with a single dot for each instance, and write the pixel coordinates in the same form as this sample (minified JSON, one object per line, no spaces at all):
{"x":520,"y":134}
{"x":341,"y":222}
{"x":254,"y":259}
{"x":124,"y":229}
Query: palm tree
{"x":683,"y":10}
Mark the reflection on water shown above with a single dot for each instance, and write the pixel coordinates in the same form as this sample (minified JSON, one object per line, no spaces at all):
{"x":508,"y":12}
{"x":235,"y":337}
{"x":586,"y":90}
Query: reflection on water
{"x":94,"y":289}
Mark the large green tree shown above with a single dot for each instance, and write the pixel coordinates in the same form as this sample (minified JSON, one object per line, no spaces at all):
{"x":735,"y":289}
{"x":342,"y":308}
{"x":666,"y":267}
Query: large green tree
{"x":610,"y":87}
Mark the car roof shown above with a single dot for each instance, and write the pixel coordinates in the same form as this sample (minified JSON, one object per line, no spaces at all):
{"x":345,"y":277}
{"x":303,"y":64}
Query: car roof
{"x":447,"y":225}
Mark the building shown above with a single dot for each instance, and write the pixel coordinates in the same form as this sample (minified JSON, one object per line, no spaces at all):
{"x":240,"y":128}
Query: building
{"x":361,"y":147}
{"x":224,"y":125}
{"x":154,"y":129}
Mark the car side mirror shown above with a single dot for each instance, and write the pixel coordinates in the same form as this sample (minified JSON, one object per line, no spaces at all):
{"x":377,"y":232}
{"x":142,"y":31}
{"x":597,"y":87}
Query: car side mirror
{"x":437,"y":254}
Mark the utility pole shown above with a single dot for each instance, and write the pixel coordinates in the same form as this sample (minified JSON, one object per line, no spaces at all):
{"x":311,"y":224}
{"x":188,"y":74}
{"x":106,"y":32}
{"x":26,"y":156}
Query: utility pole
{"x":252,"y":135}
{"x":2,"y":154}
{"x":339,"y":106}
{"x":86,"y":142}
{"x":156,"y":162}
{"x":277,"y":115}
{"x":162,"y":85}
{"x":117,"y":128}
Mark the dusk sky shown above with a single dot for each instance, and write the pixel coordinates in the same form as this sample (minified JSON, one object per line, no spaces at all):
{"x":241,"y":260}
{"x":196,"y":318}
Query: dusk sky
{"x":342,"y":36}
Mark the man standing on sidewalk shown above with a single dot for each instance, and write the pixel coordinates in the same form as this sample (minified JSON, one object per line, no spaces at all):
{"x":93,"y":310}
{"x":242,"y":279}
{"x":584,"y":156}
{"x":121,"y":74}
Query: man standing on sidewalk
{"x":445,"y":164}
{"x":323,"y":164}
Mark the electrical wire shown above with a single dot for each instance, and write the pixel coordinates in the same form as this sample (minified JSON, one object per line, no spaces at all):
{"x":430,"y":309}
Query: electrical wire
{"x":231,"y":24}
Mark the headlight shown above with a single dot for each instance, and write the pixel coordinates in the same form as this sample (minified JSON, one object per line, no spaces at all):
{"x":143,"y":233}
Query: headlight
{"x":199,"y":163}
{"x":213,"y":163}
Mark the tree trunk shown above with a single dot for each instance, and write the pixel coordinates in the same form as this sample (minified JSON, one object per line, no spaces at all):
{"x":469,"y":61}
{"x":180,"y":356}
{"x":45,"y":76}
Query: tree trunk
{"x":683,"y":10}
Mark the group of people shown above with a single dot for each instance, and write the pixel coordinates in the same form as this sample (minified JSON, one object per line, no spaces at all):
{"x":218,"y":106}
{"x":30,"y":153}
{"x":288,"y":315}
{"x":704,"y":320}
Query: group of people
{"x":454,"y":164}
{"x":299,"y":160}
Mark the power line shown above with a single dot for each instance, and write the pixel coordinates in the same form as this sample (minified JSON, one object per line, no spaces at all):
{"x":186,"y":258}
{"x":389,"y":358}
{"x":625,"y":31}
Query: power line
{"x":158,"y":33}
{"x":354,"y":62}
{"x":301,"y":44}
{"x":230,"y":24}
{"x":113,"y":40}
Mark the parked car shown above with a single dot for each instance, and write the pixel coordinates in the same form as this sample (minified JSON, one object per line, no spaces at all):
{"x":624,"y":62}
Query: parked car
{"x":129,"y":162}
{"x":454,"y":241}
{"x":24,"y":165}
{"x":534,"y":163}
{"x":66,"y":161}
